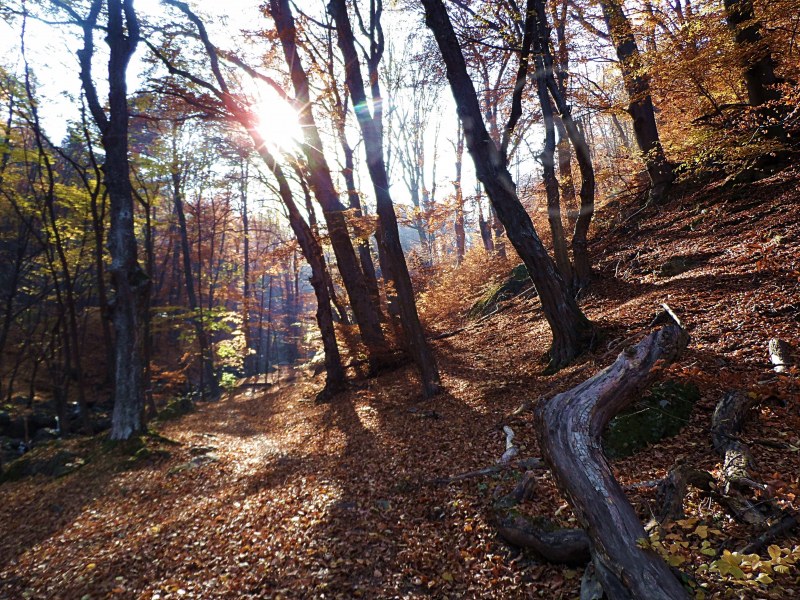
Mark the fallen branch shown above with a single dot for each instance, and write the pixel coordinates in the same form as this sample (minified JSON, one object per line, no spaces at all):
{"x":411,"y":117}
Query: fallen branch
{"x":563,"y":546}
{"x":511,"y":450}
{"x":672,"y":490}
{"x":785,"y":524}
{"x":526,"y":463}
{"x":570,"y":426}
{"x":780,"y":355}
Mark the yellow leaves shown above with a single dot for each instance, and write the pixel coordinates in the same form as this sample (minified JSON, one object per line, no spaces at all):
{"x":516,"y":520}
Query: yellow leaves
{"x":774,"y":552}
{"x":701,"y":531}
{"x":91,"y":566}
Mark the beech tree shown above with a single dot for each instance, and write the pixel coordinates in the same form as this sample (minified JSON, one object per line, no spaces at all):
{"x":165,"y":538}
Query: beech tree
{"x":572,"y":331}
{"x":129,"y":280}
{"x":640,"y":107}
{"x":389,"y":235}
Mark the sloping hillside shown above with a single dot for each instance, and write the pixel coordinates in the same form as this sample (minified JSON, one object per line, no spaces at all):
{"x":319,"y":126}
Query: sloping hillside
{"x":265,"y":494}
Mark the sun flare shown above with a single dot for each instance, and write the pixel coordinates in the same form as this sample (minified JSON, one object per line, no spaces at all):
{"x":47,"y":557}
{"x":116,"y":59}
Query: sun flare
{"x":277,"y":120}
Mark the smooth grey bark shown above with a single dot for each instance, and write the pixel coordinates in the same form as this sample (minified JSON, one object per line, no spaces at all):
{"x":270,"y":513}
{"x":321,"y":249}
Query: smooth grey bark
{"x":128,"y":279}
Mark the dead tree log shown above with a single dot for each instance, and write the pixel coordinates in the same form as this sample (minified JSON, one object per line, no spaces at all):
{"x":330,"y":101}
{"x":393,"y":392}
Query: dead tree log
{"x":737,"y":467}
{"x":570,"y":426}
{"x":672,"y":490}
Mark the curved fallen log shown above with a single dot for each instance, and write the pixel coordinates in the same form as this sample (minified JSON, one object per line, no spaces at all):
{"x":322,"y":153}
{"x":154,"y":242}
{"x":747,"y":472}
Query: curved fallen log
{"x":570,"y":426}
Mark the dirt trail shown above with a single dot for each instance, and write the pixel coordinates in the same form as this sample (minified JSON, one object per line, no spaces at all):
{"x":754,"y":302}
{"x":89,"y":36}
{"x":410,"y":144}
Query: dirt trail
{"x":267,"y":495}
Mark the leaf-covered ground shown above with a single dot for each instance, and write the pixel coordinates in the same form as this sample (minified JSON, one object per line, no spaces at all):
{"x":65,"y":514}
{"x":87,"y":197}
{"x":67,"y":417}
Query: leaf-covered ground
{"x":266,"y":495}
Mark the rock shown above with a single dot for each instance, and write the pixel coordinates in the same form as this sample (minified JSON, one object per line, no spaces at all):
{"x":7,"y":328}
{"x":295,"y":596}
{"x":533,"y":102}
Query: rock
{"x":516,"y":283}
{"x":660,"y":414}
{"x":43,"y":462}
{"x":45,"y":434}
{"x":197,"y":461}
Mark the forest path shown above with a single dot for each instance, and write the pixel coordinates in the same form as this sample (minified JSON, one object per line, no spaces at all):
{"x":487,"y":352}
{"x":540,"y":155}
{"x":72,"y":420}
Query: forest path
{"x":267,"y":495}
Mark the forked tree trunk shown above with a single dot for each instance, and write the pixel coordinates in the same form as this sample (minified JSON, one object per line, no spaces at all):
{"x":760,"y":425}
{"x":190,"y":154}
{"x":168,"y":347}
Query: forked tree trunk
{"x":549,"y":176}
{"x":127,"y":277}
{"x":390,"y":235}
{"x":581,"y":262}
{"x":572,"y":331}
{"x":570,"y":426}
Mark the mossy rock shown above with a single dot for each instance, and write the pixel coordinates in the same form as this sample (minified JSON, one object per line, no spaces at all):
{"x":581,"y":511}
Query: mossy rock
{"x":49,"y":461}
{"x":517,"y":282}
{"x":174,"y":409}
{"x":662,"y":413}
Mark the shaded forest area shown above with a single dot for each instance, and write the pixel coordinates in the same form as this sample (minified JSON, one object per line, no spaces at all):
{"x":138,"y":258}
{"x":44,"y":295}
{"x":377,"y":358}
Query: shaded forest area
{"x":436,"y":299}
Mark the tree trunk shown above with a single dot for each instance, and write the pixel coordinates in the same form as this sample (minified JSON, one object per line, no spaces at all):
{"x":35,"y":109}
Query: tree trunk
{"x":129,"y":280}
{"x":570,"y":426}
{"x":483,"y":224}
{"x":549,"y":177}
{"x":637,"y":85}
{"x":312,"y":252}
{"x":390,"y":236}
{"x":366,"y":313}
{"x":572,"y":332}
{"x":582,"y":263}
{"x":460,"y":233}
{"x":759,"y":67}
{"x":208,"y":376}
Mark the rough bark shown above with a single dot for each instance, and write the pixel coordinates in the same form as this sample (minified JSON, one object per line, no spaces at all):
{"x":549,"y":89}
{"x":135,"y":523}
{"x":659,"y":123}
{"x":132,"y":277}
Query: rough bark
{"x":640,"y":104}
{"x":572,"y":332}
{"x":570,"y":426}
{"x":390,"y":236}
{"x":729,"y":418}
{"x":780,"y":355}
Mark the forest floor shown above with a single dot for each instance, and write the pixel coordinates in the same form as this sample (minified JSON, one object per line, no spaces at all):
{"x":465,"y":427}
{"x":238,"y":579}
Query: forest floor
{"x":266,"y":495}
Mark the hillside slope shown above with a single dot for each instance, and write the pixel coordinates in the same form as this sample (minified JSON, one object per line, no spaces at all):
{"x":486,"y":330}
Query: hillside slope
{"x":267,"y":495}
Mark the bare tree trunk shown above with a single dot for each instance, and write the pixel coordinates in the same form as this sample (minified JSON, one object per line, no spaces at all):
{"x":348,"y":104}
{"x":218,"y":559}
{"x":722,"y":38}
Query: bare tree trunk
{"x":759,"y":67}
{"x":572,"y":332}
{"x":390,"y":236}
{"x":460,"y":233}
{"x":208,"y":382}
{"x":582,"y":264}
{"x":365,"y":312}
{"x":483,"y":224}
{"x":312,"y":252}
